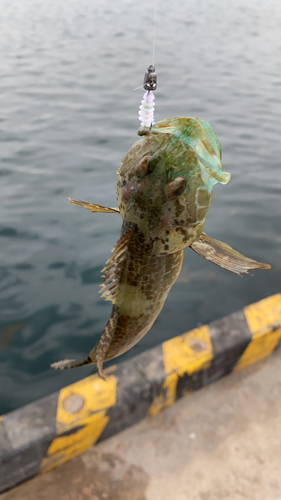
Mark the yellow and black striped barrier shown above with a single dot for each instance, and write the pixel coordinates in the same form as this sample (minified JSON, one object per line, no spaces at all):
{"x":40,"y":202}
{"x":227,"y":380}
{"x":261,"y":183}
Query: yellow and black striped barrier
{"x":47,"y":433}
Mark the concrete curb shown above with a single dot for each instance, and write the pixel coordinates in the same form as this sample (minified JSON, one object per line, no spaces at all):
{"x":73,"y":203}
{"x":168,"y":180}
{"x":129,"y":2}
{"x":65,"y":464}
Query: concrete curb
{"x":50,"y":431}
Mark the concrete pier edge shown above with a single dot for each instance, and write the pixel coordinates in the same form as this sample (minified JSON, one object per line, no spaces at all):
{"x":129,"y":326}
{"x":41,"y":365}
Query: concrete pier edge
{"x":42,"y":435}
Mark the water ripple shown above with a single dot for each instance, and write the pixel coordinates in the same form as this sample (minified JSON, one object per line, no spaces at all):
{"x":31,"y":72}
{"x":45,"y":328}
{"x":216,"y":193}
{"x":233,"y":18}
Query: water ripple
{"x":68,"y":115}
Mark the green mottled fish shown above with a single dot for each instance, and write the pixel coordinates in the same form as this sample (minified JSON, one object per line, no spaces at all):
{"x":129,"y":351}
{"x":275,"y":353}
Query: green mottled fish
{"x":164,"y":190}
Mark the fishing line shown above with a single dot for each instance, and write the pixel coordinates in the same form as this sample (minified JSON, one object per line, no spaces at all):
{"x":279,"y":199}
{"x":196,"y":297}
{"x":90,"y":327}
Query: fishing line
{"x":146,"y":109}
{"x":154,"y":31}
{"x":154,"y":38}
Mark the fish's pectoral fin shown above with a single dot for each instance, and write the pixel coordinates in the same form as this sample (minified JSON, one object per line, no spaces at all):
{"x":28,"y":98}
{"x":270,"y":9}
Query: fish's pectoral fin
{"x":93,"y":207}
{"x":72,"y":363}
{"x":224,"y":256}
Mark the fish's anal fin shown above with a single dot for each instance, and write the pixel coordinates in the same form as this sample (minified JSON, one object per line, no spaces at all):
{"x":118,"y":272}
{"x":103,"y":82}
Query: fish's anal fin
{"x":224,"y":256}
{"x":94,"y":208}
{"x":104,"y":342}
{"x":114,"y":266}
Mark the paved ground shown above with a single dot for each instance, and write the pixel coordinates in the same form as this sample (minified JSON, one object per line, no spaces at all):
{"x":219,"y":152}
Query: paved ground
{"x":221,"y":443}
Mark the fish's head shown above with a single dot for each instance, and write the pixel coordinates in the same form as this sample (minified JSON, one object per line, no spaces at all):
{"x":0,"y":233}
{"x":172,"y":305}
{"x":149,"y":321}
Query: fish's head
{"x":166,"y":181}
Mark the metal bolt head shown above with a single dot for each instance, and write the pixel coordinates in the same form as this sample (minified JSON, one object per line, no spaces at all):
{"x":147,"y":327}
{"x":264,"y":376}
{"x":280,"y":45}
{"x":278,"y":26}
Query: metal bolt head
{"x":73,"y":404}
{"x":197,"y":344}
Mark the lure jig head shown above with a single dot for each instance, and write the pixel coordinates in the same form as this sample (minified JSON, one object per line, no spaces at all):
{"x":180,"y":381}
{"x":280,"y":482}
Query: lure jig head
{"x":150,"y":79}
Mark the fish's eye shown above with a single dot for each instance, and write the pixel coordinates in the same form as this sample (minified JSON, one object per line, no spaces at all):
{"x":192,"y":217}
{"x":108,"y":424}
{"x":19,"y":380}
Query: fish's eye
{"x":143,"y":167}
{"x":175,"y":188}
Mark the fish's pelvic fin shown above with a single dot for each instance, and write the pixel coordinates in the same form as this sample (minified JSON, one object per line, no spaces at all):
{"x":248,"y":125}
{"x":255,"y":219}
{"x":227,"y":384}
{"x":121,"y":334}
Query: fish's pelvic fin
{"x":224,"y":256}
{"x":73,"y":363}
{"x":94,"y":208}
{"x":112,"y":271}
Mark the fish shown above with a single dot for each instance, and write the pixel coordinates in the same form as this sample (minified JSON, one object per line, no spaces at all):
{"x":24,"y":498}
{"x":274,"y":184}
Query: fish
{"x":164,"y":190}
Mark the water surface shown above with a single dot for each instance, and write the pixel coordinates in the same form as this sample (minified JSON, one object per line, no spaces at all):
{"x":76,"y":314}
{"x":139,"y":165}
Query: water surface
{"x":68,"y":115}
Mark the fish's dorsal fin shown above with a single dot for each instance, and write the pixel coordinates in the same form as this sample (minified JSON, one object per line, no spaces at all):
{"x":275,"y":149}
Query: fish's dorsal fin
{"x":94,"y":208}
{"x":114,"y":265}
{"x":224,"y":256}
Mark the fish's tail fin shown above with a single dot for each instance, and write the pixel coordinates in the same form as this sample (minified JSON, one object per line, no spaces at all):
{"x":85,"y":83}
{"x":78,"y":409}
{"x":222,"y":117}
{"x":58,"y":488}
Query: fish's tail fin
{"x":66,"y":364}
{"x":97,"y":354}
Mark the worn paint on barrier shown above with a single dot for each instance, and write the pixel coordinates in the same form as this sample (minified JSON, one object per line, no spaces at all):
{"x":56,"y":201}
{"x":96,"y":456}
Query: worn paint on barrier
{"x":193,"y":352}
{"x":185,"y":354}
{"x":81,"y":417}
{"x":264,"y":321}
{"x":93,"y":409}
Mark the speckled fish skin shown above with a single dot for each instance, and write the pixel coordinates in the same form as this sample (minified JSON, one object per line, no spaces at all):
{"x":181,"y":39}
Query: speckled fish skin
{"x":144,"y":284}
{"x":164,"y":190}
{"x":177,"y":147}
{"x":161,"y":228}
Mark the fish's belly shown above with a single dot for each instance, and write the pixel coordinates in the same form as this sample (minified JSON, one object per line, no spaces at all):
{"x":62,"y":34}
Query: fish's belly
{"x":143,"y":290}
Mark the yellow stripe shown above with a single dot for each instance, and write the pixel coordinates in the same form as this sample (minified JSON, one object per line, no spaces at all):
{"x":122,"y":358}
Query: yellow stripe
{"x":182,"y":355}
{"x":188,"y":352}
{"x":82,"y":406}
{"x":264,"y":321}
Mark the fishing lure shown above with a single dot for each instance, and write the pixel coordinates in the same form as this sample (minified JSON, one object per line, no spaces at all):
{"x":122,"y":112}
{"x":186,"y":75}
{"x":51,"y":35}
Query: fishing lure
{"x":146,"y":112}
{"x":164,"y":190}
